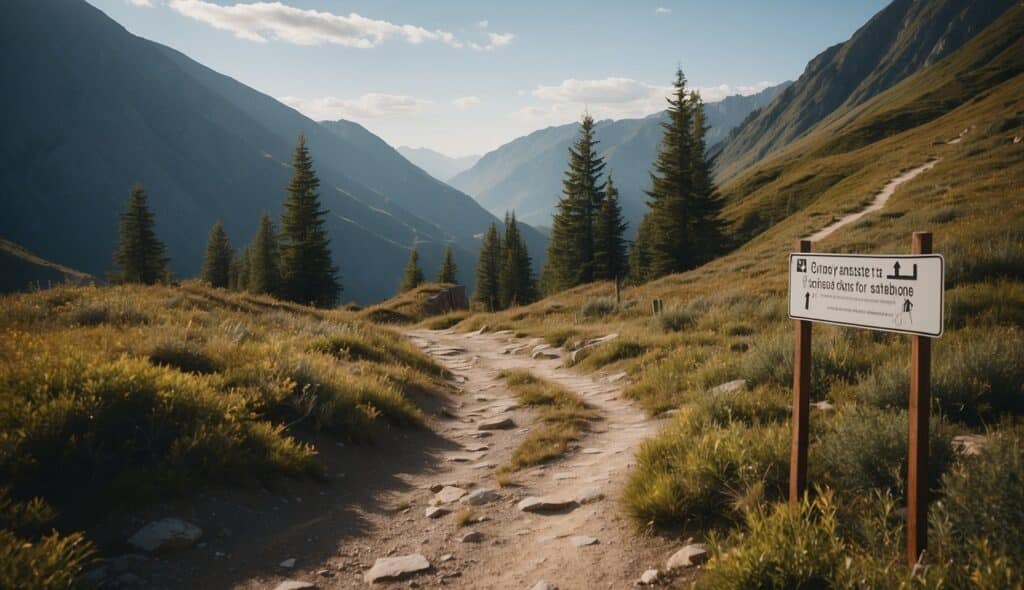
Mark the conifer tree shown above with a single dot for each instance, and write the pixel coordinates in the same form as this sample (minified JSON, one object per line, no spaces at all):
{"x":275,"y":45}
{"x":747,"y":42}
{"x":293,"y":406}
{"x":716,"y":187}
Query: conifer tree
{"x":571,"y":247}
{"x":448,"y":272}
{"x":413,"y":276}
{"x":307,"y":273}
{"x":609,"y":242}
{"x":264,"y":274}
{"x":140,"y":255}
{"x":488,"y":270}
{"x":515,"y":280}
{"x":709,"y":232}
{"x":217,"y":263}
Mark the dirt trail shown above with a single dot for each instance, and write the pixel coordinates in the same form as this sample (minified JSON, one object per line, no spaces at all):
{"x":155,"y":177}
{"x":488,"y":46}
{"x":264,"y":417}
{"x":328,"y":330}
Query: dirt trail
{"x":374,"y":503}
{"x":880,"y":200}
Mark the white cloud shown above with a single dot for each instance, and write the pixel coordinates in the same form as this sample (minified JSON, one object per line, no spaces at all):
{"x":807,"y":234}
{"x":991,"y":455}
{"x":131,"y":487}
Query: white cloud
{"x":143,"y":3}
{"x":368,"y":106}
{"x":614,"y":98}
{"x":483,"y":24}
{"x":263,"y":21}
{"x":662,"y":10}
{"x":495,"y":40}
{"x":466,"y":102}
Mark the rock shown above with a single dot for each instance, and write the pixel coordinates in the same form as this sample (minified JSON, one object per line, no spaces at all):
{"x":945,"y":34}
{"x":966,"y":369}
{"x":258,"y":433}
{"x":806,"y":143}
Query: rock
{"x":446,"y":557}
{"x":545,"y":504}
{"x":476,"y":448}
{"x":288,"y":563}
{"x":460,"y":458}
{"x":617,"y":377}
{"x":824,"y":406}
{"x":472,"y":537}
{"x":449,"y":494}
{"x":544,"y":585}
{"x":295,"y":585}
{"x":591,"y":451}
{"x":481,"y":497}
{"x":691,"y":555}
{"x":501,"y":423}
{"x":582,"y":541}
{"x":167,"y":534}
{"x":649,"y":577}
{"x":544,"y":354}
{"x":436,"y":511}
{"x":969,"y":444}
{"x":730,"y":387}
{"x":325,"y":573}
{"x":589,"y":496}
{"x":392,"y":568}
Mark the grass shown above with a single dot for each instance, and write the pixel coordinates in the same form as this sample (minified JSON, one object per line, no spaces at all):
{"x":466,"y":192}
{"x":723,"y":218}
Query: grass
{"x":410,"y":307}
{"x":466,"y":517}
{"x":563,"y":418}
{"x":132,"y":394}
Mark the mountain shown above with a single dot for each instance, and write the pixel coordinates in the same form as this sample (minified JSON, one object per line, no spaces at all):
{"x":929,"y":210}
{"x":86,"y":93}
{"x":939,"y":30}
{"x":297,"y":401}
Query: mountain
{"x":97,"y":109}
{"x":903,"y":37}
{"x":436,"y":164}
{"x":526,"y":173}
{"x":21,"y":269}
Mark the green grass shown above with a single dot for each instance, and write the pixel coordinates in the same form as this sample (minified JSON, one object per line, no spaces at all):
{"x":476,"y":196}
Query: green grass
{"x":563,"y":419}
{"x":131,"y":394}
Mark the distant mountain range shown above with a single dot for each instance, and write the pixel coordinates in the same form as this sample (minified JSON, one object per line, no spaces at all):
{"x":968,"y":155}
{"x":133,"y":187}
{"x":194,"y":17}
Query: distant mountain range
{"x":89,"y":109}
{"x":902,"y":38}
{"x":526,"y":173}
{"x":436,"y":164}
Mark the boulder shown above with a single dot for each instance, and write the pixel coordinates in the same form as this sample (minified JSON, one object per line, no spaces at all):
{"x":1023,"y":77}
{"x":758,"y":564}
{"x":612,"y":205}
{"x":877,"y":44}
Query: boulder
{"x":393,"y":568}
{"x":689,"y":556}
{"x":500,"y":423}
{"x":545,"y":504}
{"x":167,"y":534}
{"x":729,"y":387}
{"x":481,"y":496}
{"x":449,"y":494}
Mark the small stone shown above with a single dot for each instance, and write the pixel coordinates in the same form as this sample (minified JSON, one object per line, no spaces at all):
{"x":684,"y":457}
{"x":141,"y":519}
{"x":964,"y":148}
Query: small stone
{"x":449,"y":494}
{"x":472,"y":537}
{"x":649,"y":577}
{"x":824,"y":406}
{"x":582,"y":541}
{"x":545,"y":504}
{"x":391,"y":568}
{"x":481,"y":496}
{"x":730,"y":387}
{"x":691,"y":555}
{"x":501,"y":423}
{"x":446,"y":557}
{"x":167,"y":534}
{"x":295,"y":585}
{"x":325,"y":573}
{"x":436,"y":511}
{"x":589,"y":496}
{"x":544,"y":585}
{"x":476,"y":448}
{"x":288,"y":563}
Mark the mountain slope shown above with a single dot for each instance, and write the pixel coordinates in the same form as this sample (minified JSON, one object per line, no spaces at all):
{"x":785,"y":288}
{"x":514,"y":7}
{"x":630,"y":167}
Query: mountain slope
{"x":902,"y":38}
{"x":436,"y":164}
{"x":526,"y":174}
{"x":97,"y":109}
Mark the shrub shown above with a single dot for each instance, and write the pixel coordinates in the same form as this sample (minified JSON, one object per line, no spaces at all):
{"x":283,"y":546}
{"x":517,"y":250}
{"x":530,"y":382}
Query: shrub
{"x":52,"y":562}
{"x":676,"y":319}
{"x":187,"y":357}
{"x":999,"y":256}
{"x":117,"y":312}
{"x":611,"y":352}
{"x":378,"y":347}
{"x":598,"y":308}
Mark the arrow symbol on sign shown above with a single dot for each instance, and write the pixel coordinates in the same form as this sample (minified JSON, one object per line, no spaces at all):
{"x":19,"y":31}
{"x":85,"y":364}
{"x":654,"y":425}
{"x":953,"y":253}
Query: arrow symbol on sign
{"x":807,"y":300}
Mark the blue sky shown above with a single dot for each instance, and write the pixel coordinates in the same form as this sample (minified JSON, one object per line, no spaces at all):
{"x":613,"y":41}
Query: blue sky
{"x":465,"y":77}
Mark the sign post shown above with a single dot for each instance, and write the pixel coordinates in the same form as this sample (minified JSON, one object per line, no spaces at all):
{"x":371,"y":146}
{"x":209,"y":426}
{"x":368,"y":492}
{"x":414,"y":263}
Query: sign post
{"x":892,"y":293}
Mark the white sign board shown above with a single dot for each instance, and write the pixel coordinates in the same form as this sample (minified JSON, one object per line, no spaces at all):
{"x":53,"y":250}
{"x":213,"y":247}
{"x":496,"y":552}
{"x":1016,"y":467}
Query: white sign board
{"x":891,"y":293}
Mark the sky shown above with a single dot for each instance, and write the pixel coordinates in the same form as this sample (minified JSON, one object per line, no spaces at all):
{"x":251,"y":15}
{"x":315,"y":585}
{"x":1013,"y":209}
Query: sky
{"x":464,"y":77}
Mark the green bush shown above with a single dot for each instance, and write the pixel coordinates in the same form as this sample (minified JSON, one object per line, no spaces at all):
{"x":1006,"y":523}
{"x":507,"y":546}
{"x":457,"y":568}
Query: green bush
{"x":52,"y":562}
{"x":118,"y":312}
{"x":187,"y":357}
{"x":676,"y":319}
{"x":614,"y":351}
{"x":598,"y":308}
{"x":999,"y":256}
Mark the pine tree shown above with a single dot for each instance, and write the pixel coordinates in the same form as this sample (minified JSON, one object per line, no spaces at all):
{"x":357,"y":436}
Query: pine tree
{"x":448,"y":272}
{"x":413,"y":276}
{"x":640,"y":253}
{"x":709,"y":232}
{"x":488,"y":270}
{"x":515,"y":277}
{"x":140,"y":255}
{"x":571,"y":247}
{"x":264,"y":274}
{"x":307,"y":272}
{"x":609,"y":242}
{"x":217,"y":263}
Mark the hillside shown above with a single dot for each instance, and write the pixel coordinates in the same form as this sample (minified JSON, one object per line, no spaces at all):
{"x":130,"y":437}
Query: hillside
{"x":436,"y":164}
{"x":205,"y":147}
{"x":902,"y":38}
{"x":526,"y":173}
{"x":21,"y":269}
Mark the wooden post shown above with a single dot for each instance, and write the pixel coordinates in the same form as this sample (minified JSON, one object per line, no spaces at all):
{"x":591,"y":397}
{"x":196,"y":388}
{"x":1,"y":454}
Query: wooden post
{"x":801,"y":403}
{"x":618,"y":296}
{"x":917,"y":454}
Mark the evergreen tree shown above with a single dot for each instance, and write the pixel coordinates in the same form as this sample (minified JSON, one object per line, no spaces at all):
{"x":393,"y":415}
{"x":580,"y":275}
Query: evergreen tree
{"x":244,"y":269}
{"x":413,"y":276}
{"x":639,"y":253}
{"x":307,"y":272}
{"x":264,"y":274}
{"x":448,"y":271}
{"x":488,"y":270}
{"x":609,"y":242}
{"x":140,"y":255}
{"x":217,"y":263}
{"x":709,"y":232}
{"x":515,"y":280}
{"x":571,"y":247}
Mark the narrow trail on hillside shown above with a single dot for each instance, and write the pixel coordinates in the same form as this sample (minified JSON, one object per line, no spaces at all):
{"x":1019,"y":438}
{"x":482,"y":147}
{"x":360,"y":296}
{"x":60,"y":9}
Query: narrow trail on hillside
{"x":880,"y":200}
